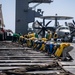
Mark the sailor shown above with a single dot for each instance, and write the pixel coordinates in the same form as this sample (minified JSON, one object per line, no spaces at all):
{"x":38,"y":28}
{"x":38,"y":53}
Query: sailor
{"x":43,"y":42}
{"x":55,"y":36}
{"x":65,"y":55}
{"x":39,"y":44}
{"x":21,"y":39}
{"x":35,"y":43}
{"x":15,"y":37}
{"x":49,"y":46}
{"x":48,"y":35}
{"x":36,"y":35}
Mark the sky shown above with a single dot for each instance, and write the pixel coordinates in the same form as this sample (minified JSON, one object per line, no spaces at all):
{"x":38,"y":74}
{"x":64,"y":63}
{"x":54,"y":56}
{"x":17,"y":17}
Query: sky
{"x":61,"y":7}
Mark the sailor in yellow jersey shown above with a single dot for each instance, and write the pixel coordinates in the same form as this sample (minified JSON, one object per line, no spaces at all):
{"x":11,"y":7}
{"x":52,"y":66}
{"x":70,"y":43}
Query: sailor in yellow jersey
{"x":65,"y":54}
{"x":21,"y":39}
{"x":63,"y":50}
{"x":43,"y":41}
{"x":32,"y":36}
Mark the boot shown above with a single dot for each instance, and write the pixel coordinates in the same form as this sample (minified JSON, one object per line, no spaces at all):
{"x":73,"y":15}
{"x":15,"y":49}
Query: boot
{"x":65,"y":59}
{"x":70,"y":58}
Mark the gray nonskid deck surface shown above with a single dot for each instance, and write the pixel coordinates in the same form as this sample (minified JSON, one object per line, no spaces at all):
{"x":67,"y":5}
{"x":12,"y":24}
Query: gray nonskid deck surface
{"x":34,"y":61}
{"x":11,"y":58}
{"x":44,"y":72}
